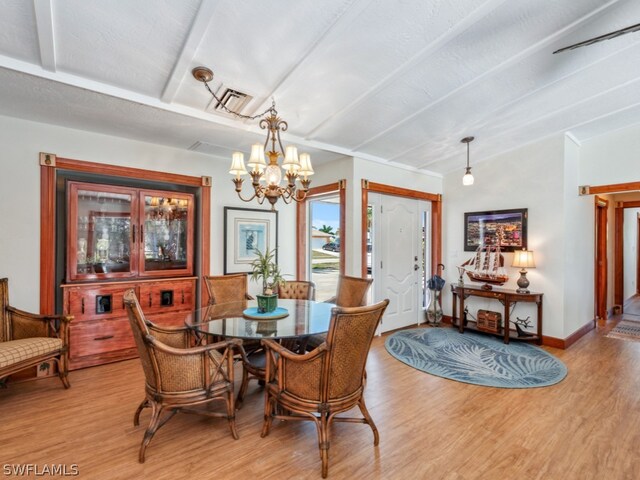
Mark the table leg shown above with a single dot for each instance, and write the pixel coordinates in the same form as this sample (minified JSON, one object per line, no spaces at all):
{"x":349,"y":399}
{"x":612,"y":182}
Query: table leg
{"x":506,"y":320}
{"x":454,"y":307}
{"x":539,"y":341}
{"x":461,"y":322}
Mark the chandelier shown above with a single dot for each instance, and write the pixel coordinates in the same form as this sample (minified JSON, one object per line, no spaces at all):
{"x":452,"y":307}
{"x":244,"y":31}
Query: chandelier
{"x":266,"y":178}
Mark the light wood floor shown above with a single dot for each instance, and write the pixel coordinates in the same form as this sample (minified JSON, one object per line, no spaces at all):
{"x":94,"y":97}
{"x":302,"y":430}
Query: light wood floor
{"x":587,"y":427}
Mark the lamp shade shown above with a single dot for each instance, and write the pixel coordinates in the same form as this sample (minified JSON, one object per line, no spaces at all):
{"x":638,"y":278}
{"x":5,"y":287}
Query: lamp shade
{"x":256,"y":161}
{"x":305,"y":165}
{"x":237,"y":164}
{"x":291,"y":161}
{"x":467,"y":179}
{"x":523,"y":259}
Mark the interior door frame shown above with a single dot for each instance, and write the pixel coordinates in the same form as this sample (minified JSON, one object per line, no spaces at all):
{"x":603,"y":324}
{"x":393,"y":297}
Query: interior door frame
{"x":618,"y":294}
{"x":50,"y":163}
{"x":302,"y":215}
{"x":436,"y":219}
{"x":601,"y":206}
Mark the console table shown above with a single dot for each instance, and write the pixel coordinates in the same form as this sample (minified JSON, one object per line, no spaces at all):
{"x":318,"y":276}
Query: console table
{"x":505,"y":296}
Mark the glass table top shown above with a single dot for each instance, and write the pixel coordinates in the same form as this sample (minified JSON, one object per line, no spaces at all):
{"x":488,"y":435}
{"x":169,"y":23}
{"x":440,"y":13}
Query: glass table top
{"x":305,"y":318}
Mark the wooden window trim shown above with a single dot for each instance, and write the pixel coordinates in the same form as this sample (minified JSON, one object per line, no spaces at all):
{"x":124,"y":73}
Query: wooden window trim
{"x":436,"y":218}
{"x":50,"y":163}
{"x":340,"y":188}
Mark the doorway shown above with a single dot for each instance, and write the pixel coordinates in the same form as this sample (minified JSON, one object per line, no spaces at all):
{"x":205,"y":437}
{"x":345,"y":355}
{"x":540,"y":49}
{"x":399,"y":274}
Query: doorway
{"x":325,"y":245}
{"x":400,"y":257}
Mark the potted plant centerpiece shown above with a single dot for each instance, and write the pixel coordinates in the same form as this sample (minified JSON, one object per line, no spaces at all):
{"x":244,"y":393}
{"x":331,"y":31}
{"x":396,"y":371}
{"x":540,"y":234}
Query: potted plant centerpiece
{"x":265,"y":268}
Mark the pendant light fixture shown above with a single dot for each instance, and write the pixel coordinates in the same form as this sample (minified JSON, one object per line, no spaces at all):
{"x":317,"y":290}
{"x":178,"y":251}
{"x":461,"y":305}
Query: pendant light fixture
{"x":468,"y":178}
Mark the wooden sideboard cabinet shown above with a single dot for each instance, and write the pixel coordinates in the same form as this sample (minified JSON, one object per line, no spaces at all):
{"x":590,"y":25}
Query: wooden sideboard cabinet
{"x":100,"y":332}
{"x":507,"y":298}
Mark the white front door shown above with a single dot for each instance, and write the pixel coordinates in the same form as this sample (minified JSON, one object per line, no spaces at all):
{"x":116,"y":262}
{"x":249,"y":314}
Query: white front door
{"x":401,"y":238}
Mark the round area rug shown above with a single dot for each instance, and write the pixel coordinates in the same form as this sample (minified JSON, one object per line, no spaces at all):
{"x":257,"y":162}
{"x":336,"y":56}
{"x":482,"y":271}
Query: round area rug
{"x":475,"y":358}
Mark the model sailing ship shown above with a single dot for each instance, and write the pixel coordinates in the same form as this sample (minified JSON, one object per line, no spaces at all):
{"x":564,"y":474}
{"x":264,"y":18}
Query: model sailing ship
{"x":487,"y":265}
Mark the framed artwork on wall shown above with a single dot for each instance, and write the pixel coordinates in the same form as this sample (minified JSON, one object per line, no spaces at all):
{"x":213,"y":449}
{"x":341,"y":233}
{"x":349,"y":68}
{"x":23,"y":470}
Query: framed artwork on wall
{"x":245,"y":231}
{"x":506,"y":228}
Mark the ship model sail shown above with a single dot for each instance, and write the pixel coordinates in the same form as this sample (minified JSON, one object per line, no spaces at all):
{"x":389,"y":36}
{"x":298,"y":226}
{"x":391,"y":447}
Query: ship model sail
{"x":486,"y":266}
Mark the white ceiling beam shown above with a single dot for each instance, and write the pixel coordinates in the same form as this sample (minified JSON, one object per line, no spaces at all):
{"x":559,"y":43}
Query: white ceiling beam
{"x":194,"y":38}
{"x":473,"y":126}
{"x":545,"y":42}
{"x":44,"y":28}
{"x":459,"y":28}
{"x":322,"y":42}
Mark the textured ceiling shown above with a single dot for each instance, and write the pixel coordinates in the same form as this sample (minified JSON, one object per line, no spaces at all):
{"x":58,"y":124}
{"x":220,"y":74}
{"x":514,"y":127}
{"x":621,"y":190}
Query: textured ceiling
{"x":399,"y":81}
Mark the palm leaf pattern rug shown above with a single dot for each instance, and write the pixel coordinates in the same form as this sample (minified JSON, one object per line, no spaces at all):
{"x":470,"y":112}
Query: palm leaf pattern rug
{"x":475,"y":358}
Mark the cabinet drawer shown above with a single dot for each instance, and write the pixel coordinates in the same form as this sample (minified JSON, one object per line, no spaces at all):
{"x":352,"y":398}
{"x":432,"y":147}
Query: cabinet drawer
{"x":94,"y":338}
{"x":97,"y":303}
{"x":160,"y":297}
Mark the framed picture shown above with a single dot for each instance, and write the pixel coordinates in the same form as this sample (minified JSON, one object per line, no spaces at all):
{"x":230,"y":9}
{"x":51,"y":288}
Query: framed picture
{"x":245,"y":231}
{"x":506,"y":228}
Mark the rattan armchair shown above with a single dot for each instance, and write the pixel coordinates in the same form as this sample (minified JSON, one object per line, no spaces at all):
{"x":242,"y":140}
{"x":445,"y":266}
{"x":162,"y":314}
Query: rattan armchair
{"x":227,"y":288}
{"x":297,"y":290}
{"x":27,"y":339}
{"x":321,"y":384}
{"x":351,"y":292}
{"x":179,"y":378}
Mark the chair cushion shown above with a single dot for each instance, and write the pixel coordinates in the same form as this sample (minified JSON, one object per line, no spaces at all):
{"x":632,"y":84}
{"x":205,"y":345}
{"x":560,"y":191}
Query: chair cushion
{"x":16,"y":351}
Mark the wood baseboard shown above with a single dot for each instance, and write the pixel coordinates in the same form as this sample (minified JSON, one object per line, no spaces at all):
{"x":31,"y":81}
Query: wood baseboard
{"x":564,"y":343}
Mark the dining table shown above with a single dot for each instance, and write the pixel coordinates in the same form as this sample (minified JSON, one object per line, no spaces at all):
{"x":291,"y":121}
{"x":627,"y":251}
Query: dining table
{"x":303,"y":319}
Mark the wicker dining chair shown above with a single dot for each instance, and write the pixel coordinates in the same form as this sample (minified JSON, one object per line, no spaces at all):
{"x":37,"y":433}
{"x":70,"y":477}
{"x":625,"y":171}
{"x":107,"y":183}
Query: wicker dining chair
{"x":351,"y":292}
{"x":178,"y":378}
{"x":321,"y":384}
{"x":227,"y":288}
{"x":297,"y":290}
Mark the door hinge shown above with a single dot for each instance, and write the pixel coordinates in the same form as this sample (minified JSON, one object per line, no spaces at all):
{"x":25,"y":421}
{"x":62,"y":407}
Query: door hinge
{"x":380,"y":263}
{"x":381,"y":208}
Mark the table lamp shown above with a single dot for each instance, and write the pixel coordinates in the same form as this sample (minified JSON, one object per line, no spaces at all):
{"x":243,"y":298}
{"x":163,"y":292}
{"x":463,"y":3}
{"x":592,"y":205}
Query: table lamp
{"x":523,"y":259}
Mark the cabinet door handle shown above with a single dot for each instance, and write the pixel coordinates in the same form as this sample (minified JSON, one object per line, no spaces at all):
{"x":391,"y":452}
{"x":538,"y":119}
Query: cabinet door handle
{"x":183,"y":295}
{"x":106,"y":337}
{"x":141,"y":234}
{"x":133,"y":234}
{"x":149,"y":298}
{"x":82,"y":305}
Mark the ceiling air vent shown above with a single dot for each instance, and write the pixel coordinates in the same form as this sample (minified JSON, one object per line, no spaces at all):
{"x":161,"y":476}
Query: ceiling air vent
{"x":230,"y":98}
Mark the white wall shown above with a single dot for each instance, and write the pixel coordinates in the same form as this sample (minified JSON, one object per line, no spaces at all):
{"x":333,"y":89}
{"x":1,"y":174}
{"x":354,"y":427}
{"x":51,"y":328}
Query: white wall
{"x":630,"y":251}
{"x":579,"y":243}
{"x":20,"y":194}
{"x":531,"y":177}
{"x":611,"y":158}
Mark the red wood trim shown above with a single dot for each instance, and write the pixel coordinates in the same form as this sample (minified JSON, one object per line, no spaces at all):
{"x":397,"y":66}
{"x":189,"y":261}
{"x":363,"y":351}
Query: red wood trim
{"x":436,"y":236}
{"x":638,"y":259}
{"x":364,"y":224}
{"x":618,"y":257}
{"x":600,"y":262}
{"x":130,"y":172}
{"x":47,"y":239}
{"x":553,"y":342}
{"x":634,"y":204}
{"x":616,"y":187}
{"x":402,"y":192}
{"x":301,"y":225}
{"x":343,"y":226}
{"x":205,"y":254}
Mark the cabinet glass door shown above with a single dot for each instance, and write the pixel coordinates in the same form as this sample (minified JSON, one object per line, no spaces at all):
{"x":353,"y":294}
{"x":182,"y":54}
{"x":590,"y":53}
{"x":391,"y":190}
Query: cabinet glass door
{"x":101,"y":232}
{"x":167,"y":231}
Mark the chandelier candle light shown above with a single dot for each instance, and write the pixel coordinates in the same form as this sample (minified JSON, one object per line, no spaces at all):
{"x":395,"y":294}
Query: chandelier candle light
{"x":266,"y":178}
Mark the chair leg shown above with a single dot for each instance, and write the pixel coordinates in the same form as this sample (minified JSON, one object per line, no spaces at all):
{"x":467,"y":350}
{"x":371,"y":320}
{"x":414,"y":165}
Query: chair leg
{"x":156,"y":410}
{"x":268,"y":412}
{"x":63,"y":370}
{"x":231,"y":414}
{"x":324,"y":443}
{"x":367,"y":417}
{"x":136,"y":417}
{"x":243,"y":388}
